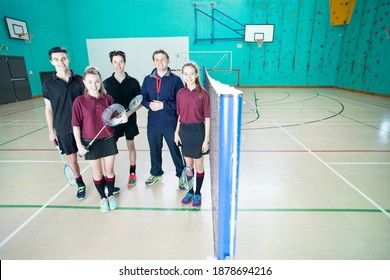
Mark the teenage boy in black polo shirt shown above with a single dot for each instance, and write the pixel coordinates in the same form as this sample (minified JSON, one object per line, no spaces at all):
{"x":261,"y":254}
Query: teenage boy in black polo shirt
{"x":123,"y":89}
{"x":59,"y":92}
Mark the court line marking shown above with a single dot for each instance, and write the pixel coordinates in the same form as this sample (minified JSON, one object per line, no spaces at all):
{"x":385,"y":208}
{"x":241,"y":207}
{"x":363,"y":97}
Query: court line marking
{"x":354,"y":98}
{"x":242,"y":151}
{"x":319,"y":93}
{"x":21,"y":136}
{"x":36,"y":161}
{"x":314,"y":151}
{"x":358,"y":163}
{"x":183,"y":209}
{"x":18,"y":229}
{"x":179,"y":209}
{"x":336,"y":173}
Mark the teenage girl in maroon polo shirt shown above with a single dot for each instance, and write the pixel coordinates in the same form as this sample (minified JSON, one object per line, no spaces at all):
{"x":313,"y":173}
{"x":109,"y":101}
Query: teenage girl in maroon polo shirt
{"x":193,"y":127}
{"x":87,"y":121}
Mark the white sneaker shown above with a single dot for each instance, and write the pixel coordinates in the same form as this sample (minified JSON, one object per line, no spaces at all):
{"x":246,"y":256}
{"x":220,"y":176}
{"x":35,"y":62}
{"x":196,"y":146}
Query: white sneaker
{"x":112,"y":202}
{"x":104,"y":205}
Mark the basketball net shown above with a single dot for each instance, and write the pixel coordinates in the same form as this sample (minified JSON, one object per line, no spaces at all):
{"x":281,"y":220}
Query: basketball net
{"x":26,"y":37}
{"x":259,"y":42}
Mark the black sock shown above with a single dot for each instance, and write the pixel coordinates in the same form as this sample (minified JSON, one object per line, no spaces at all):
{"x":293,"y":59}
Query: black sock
{"x":132,"y":169}
{"x":110,"y":185}
{"x":100,"y":187}
{"x":80,"y":181}
{"x":199,"y":182}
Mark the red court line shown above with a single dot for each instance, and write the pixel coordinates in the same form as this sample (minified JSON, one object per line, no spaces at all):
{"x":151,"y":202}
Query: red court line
{"x":315,"y":151}
{"x":243,"y":151}
{"x":46,"y":150}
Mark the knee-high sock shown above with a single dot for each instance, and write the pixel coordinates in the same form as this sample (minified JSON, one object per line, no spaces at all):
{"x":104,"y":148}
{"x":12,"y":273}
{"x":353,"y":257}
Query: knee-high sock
{"x":199,"y":182}
{"x":100,"y":184}
{"x":110,"y":185}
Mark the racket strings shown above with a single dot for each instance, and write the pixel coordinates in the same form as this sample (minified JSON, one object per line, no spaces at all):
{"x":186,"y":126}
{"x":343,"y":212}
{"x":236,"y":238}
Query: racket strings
{"x":135,"y":102}
{"x":188,"y":175}
{"x":70,"y":175}
{"x":112,"y":116}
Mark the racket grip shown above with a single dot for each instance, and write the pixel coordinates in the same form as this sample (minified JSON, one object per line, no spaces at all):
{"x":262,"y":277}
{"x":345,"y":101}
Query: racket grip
{"x":87,"y":147}
{"x":83,"y":155}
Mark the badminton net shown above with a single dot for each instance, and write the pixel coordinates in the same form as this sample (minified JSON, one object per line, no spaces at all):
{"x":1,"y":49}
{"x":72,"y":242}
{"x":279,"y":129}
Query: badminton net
{"x":225,"y":123}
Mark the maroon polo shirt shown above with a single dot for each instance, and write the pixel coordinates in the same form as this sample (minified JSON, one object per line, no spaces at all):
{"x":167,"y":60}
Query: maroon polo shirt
{"x":87,"y":114}
{"x":191,"y":106}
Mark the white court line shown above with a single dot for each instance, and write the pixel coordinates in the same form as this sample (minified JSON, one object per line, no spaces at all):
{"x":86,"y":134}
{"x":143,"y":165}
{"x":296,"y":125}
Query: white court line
{"x":16,"y":231}
{"x":9,"y":123}
{"x":29,"y":161}
{"x":322,"y":124}
{"x":336,"y":173}
{"x":24,"y":124}
{"x":359,"y":163}
{"x":34,"y":161}
{"x":317,"y":108}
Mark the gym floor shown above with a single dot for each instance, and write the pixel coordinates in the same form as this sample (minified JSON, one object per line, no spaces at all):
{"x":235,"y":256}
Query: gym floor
{"x":314,"y":184}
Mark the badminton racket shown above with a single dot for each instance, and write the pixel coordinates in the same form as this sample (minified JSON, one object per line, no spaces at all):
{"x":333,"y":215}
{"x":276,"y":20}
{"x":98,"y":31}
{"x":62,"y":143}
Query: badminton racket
{"x":69,"y":174}
{"x":112,"y":116}
{"x":187,"y":175}
{"x":134,"y":103}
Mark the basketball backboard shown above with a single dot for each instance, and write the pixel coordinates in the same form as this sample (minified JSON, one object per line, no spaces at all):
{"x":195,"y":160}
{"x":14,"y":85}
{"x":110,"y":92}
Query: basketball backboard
{"x":254,"y":32}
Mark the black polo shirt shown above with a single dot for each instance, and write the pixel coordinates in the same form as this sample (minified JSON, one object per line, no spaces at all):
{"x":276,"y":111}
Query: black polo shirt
{"x":61,"y":95}
{"x":123,"y":93}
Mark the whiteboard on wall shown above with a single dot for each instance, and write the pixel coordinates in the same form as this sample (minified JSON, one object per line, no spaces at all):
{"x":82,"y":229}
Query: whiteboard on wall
{"x":138,"y":53}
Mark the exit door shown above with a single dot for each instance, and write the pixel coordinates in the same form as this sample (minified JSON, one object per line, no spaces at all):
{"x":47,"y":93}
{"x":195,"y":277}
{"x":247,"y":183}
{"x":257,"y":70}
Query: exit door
{"x":14,"y":84}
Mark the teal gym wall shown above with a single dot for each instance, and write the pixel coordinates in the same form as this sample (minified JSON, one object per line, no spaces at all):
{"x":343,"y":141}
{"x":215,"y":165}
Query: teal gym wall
{"x":307,"y":50}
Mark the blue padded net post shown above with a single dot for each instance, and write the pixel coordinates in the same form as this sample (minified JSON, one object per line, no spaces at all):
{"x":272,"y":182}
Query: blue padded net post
{"x":229,"y":143}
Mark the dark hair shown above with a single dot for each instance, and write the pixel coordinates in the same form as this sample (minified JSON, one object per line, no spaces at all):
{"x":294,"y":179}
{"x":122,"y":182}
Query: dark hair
{"x":197,"y":80}
{"x":115,"y":53}
{"x":158,"y":52}
{"x":58,"y":50}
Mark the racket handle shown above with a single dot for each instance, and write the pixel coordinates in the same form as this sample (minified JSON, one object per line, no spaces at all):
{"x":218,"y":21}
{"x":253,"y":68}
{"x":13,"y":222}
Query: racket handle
{"x":86,"y":149}
{"x":93,"y":140}
{"x":81,"y":155}
{"x":129,"y":112}
{"x":89,"y":144}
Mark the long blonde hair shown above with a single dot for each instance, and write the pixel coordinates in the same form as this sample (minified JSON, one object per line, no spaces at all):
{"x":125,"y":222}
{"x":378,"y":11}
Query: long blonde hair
{"x":93,"y":70}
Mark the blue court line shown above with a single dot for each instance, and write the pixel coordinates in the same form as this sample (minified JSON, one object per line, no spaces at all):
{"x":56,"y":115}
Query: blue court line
{"x":337,"y":210}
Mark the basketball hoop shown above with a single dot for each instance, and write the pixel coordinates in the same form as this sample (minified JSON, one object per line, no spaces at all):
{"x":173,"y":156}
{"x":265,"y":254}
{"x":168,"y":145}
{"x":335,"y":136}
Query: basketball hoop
{"x":26,"y":37}
{"x":259,"y":42}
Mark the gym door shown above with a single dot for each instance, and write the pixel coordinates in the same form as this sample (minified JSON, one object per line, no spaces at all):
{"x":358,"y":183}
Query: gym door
{"x":14,"y":84}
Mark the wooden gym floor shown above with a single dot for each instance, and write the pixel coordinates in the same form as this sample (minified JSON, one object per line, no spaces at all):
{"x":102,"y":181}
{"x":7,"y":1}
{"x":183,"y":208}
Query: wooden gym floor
{"x":314,"y":184}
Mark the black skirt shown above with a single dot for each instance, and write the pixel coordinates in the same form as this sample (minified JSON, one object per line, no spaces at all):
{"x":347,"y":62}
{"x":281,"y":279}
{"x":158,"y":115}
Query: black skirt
{"x":101,"y":148}
{"x":192,"y":138}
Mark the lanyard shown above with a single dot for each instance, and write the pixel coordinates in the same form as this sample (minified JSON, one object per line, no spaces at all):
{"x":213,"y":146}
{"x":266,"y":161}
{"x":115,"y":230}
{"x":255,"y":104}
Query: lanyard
{"x":158,"y":85}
